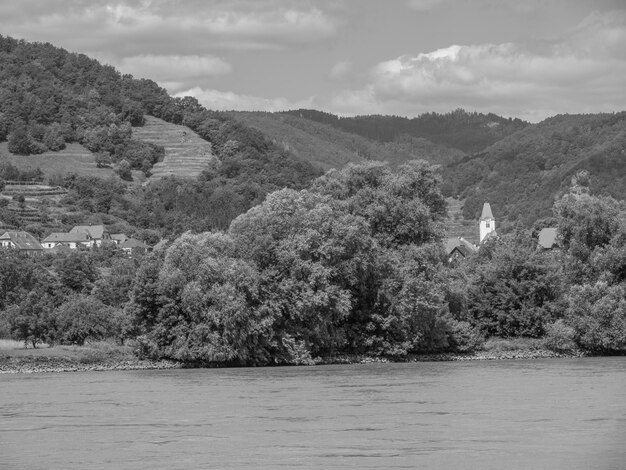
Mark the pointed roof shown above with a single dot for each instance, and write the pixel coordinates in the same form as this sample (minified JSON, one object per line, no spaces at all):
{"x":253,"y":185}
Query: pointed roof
{"x":486,"y":212}
{"x":460,"y":244}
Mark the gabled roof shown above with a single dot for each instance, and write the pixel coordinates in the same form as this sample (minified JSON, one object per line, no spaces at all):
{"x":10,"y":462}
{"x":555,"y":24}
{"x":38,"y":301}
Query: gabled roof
{"x":133,"y":243}
{"x":22,"y":240}
{"x":547,"y":237}
{"x":161,"y":245}
{"x":460,"y":244}
{"x":94,"y":231}
{"x":120,"y":237}
{"x":486,"y":214}
{"x":62,"y":237}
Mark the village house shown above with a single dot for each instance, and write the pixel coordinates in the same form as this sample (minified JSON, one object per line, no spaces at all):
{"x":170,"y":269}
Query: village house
{"x":132,"y":246}
{"x":22,"y":241}
{"x":97,"y":233}
{"x":547,"y":238}
{"x":459,"y":248}
{"x":71,"y":240}
{"x":118,"y":238}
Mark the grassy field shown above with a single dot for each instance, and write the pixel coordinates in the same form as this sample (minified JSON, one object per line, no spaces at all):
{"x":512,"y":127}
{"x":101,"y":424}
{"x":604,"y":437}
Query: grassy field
{"x":186,"y":153}
{"x":74,"y":158}
{"x":90,"y":353}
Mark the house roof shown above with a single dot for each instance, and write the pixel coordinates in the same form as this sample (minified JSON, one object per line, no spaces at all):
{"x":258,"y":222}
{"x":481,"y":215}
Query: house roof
{"x":133,"y":243}
{"x":62,"y":237}
{"x":460,"y":244}
{"x":547,"y":237}
{"x":161,"y":245}
{"x":121,"y":237}
{"x":94,"y":231}
{"x":486,"y":214}
{"x":22,"y":240}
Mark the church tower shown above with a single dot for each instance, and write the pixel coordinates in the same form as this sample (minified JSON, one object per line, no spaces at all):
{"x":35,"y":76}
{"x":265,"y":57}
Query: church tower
{"x":487,"y":222}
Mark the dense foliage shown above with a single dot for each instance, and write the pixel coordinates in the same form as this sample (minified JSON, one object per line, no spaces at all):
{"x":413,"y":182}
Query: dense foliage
{"x":352,"y":265}
{"x":466,"y":131}
{"x":523,"y":174}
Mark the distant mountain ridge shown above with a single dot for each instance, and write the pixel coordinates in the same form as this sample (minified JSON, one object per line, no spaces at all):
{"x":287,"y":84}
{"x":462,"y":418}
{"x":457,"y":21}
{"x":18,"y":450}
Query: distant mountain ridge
{"x":522,"y":174}
{"x":328,"y":146}
{"x":469,"y":132}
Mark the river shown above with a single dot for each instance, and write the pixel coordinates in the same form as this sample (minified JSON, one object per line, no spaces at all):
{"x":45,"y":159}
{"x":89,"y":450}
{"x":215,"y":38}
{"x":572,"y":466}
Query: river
{"x":540,"y":414}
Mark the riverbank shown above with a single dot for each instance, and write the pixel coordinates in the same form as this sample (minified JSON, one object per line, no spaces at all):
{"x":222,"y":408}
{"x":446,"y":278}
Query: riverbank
{"x":107,"y":357}
{"x":101,"y":356}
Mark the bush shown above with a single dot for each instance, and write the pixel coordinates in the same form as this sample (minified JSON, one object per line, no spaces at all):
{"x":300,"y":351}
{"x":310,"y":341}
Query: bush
{"x":597,"y":313}
{"x":560,"y":337}
{"x":463,"y":337}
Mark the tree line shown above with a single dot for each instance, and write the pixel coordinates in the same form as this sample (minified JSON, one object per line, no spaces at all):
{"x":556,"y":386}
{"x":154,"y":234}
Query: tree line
{"x":353,"y":264}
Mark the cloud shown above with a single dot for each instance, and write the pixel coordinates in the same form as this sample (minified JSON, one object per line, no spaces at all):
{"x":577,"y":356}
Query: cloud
{"x":581,"y":72}
{"x":425,"y":5}
{"x":138,"y":27}
{"x":174,"y":72}
{"x":229,"y":101}
{"x":340,"y":70}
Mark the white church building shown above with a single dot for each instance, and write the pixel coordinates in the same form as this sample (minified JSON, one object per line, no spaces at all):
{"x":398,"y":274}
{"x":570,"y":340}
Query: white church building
{"x":487,"y":224}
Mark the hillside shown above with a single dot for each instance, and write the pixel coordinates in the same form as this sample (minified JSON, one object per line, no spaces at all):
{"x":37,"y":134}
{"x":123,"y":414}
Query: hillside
{"x":328,"y":146}
{"x":465,"y":131}
{"x":74,"y":157}
{"x":186,"y":153}
{"x":523,"y":174}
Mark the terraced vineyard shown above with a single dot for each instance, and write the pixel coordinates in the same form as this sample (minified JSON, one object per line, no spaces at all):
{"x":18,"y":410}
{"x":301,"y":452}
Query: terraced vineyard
{"x":457,"y":226}
{"x":186,"y":153}
{"x":73,"y":159}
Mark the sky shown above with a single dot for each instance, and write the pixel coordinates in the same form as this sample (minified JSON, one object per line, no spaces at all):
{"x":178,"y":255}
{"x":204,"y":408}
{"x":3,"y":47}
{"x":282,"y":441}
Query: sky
{"x":517,"y":58}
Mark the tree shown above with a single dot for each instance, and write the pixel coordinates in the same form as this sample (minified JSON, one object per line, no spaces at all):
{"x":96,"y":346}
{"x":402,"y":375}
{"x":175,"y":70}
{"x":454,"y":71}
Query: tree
{"x":123,"y":170}
{"x":516,"y":291}
{"x":82,"y":317}
{"x":598,"y":315}
{"x":76,"y":272}
{"x":31,"y":320}
{"x":19,"y":141}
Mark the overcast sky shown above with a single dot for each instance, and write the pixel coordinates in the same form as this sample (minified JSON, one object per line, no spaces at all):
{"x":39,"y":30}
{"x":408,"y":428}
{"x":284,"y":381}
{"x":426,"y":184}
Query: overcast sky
{"x":520,"y":58}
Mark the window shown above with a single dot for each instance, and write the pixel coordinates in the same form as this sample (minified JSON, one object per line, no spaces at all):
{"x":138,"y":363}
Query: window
{"x":488,"y":225}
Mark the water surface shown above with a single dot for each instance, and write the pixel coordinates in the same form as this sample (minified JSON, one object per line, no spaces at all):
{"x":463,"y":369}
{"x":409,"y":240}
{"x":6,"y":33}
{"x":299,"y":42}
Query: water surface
{"x":540,"y":414}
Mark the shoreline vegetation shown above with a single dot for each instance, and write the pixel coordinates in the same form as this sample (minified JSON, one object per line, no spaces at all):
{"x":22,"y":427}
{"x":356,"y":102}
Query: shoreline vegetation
{"x":104,"y":356}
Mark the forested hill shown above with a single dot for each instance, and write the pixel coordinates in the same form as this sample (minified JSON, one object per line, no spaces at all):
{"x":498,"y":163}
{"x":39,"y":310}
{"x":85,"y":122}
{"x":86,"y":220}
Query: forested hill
{"x":469,"y":132}
{"x":330,"y":146}
{"x":50,"y":97}
{"x":523,"y":174}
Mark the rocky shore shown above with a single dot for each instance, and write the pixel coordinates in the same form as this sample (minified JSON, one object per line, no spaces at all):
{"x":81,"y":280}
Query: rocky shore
{"x":447,"y":357}
{"x":38,"y":364}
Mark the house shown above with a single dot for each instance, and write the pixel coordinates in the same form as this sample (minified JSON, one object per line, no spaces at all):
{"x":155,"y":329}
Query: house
{"x":458,"y":248}
{"x":118,"y":238}
{"x":161,"y":245}
{"x":132,"y":246}
{"x":547,"y":238}
{"x":22,"y":241}
{"x":71,"y":240}
{"x":96,"y":233}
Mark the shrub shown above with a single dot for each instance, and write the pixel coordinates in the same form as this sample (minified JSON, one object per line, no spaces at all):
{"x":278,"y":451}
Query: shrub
{"x":463,"y":337}
{"x":560,"y":337}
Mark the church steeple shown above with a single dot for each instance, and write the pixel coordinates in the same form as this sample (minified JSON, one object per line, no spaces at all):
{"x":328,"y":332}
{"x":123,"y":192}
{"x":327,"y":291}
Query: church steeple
{"x":487,"y":222}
